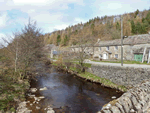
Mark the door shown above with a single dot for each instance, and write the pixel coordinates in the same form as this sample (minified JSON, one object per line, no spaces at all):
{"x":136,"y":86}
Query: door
{"x":138,"y":57}
{"x":104,"y":56}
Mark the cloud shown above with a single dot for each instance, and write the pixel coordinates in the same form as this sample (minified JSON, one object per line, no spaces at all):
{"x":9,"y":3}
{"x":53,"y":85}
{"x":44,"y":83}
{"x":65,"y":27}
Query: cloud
{"x":1,"y":39}
{"x":79,"y":20}
{"x":3,"y":19}
{"x":59,"y":14}
{"x":116,"y":7}
{"x":33,"y":2}
{"x":59,"y":27}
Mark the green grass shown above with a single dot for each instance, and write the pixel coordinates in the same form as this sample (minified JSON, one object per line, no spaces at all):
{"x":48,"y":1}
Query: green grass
{"x":125,"y":62}
{"x":103,"y":81}
{"x":11,"y":89}
{"x":85,"y":64}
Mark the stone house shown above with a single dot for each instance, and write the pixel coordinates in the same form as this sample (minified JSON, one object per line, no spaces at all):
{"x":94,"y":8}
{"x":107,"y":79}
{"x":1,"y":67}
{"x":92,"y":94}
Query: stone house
{"x":51,"y":50}
{"x":87,"y":48}
{"x":133,"y":48}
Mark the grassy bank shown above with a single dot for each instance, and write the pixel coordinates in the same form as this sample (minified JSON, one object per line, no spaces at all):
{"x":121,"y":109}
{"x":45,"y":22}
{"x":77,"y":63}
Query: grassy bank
{"x":93,"y":78}
{"x":12,"y":90}
{"x":103,"y":81}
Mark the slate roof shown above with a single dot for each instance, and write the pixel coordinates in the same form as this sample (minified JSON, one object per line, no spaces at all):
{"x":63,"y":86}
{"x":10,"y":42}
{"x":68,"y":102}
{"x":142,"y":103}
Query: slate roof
{"x":140,"y":49}
{"x":131,"y":40}
{"x":50,"y":46}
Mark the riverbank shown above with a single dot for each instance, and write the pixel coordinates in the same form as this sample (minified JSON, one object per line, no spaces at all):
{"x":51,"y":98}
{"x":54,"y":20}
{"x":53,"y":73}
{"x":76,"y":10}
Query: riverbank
{"x":90,"y":77}
{"x":12,"y":91}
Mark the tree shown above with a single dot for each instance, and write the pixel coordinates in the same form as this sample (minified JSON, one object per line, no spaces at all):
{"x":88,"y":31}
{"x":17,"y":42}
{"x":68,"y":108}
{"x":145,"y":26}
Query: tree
{"x":138,"y":28}
{"x":136,"y":13}
{"x":148,"y":17}
{"x":79,"y":51}
{"x":133,"y":27}
{"x":118,"y":26}
{"x":26,"y":48}
{"x":58,"y":39}
{"x":66,"y":39}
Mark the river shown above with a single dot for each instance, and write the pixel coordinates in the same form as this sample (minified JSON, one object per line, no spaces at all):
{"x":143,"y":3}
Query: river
{"x":68,"y":93}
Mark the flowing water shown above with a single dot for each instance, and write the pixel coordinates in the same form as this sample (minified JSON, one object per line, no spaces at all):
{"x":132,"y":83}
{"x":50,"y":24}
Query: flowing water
{"x":68,"y":93}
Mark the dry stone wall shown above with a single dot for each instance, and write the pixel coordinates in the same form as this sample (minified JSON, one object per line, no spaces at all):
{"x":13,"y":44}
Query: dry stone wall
{"x":127,"y":76}
{"x":135,"y":100}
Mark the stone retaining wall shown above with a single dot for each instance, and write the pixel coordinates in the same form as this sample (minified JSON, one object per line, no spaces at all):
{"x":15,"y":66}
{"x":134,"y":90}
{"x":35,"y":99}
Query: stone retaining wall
{"x":127,"y":76}
{"x":135,"y":100}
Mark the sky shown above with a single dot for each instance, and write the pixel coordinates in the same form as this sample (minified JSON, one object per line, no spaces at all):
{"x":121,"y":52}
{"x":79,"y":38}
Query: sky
{"x":52,"y":15}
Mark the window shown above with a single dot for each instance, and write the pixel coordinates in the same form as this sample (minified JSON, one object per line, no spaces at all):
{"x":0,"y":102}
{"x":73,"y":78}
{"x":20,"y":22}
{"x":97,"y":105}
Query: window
{"x":116,"y":55}
{"x":99,"y":48}
{"x":107,"y":47}
{"x":116,"y":47}
{"x":100,"y":56}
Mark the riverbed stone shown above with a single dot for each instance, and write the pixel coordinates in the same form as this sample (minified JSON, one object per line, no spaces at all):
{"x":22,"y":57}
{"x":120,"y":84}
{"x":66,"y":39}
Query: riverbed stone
{"x":22,"y":108}
{"x":50,"y":111}
{"x":31,"y":96}
{"x":42,"y":89}
{"x":33,"y":90}
{"x":41,"y":97}
{"x":113,"y":97}
{"x":37,"y":107}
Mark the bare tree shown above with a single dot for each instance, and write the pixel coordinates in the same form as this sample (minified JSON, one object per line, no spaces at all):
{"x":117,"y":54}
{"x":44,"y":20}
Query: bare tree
{"x":26,"y":47}
{"x":79,"y":51}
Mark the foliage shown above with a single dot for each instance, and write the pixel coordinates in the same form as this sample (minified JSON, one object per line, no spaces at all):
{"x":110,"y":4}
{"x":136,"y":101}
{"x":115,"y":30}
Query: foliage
{"x":105,"y":28}
{"x":17,"y":61}
{"x":25,"y":48}
{"x":66,"y":40}
{"x":58,"y":39}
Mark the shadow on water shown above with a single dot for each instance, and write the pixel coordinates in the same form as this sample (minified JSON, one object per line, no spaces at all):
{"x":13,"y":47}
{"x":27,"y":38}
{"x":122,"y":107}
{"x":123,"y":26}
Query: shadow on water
{"x":77,"y":95}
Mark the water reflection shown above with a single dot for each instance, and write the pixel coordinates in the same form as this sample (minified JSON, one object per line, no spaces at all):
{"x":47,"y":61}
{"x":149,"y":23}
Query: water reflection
{"x":68,"y":90}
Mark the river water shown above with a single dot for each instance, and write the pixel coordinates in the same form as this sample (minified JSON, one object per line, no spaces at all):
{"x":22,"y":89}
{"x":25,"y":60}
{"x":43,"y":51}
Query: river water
{"x":68,"y":94}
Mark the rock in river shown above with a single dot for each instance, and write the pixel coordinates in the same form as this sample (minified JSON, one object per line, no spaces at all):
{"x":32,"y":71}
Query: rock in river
{"x":42,"y":89}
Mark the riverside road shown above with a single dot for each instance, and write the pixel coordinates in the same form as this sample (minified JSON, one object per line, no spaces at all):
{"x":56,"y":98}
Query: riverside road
{"x":119,"y":64}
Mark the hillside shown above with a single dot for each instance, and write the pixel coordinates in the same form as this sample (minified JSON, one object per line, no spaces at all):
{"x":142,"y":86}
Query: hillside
{"x":105,"y":28}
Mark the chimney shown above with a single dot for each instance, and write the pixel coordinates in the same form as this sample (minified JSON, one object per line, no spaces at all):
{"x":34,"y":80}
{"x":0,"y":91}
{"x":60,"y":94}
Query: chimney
{"x":98,"y":40}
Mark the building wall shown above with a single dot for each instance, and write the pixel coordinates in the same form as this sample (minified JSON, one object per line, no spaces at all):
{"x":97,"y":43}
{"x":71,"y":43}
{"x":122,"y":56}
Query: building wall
{"x":127,"y":51}
{"x":111,"y":49}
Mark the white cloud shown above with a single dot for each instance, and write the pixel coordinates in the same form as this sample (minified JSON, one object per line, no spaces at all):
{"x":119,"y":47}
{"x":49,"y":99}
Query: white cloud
{"x":1,"y":39}
{"x":57,"y":14}
{"x":79,"y":20}
{"x":2,"y":35}
{"x":59,"y":27}
{"x":3,"y":19}
{"x":31,"y":11}
{"x":30,"y":1}
{"x":114,"y":6}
